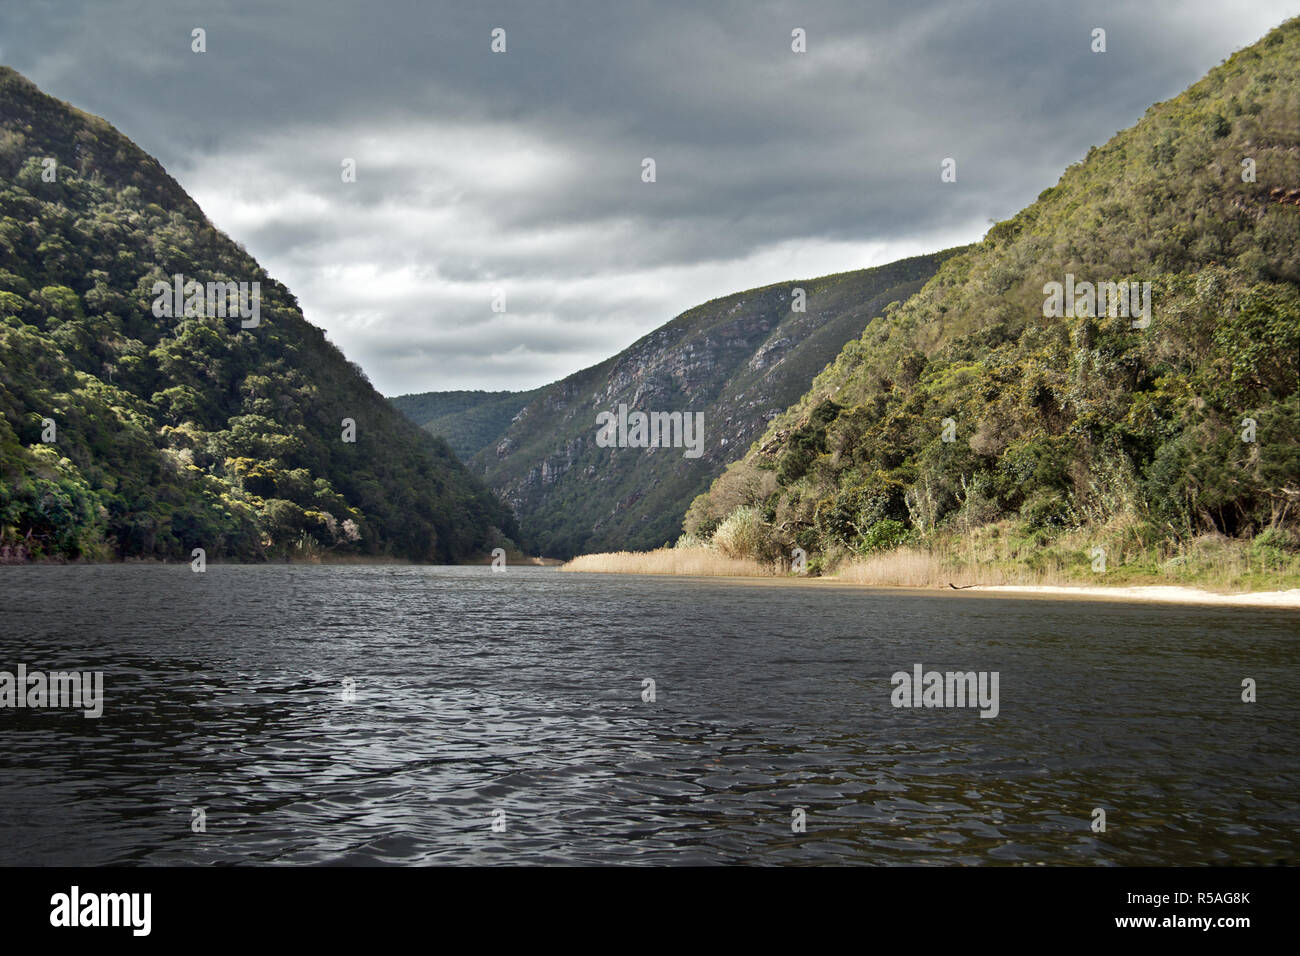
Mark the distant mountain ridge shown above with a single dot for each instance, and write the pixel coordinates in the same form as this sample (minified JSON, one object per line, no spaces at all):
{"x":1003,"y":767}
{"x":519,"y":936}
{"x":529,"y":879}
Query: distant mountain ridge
{"x":740,"y":360}
{"x":469,"y":420}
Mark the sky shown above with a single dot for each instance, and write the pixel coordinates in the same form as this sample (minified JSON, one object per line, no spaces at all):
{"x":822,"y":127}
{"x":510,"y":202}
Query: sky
{"x":515,"y":178}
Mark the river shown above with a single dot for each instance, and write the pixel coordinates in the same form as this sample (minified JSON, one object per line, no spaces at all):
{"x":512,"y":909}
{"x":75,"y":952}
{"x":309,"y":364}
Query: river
{"x":397,"y":714}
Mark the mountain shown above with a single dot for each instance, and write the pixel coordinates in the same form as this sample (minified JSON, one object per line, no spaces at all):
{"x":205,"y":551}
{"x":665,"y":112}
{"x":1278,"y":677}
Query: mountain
{"x":469,"y":420}
{"x":731,"y":363}
{"x":138,"y":424}
{"x":1157,"y":428}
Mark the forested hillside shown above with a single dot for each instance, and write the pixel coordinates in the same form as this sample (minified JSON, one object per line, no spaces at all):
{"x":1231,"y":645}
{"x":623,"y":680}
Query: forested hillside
{"x":469,"y":420}
{"x":124,"y":433}
{"x":1143,"y":433}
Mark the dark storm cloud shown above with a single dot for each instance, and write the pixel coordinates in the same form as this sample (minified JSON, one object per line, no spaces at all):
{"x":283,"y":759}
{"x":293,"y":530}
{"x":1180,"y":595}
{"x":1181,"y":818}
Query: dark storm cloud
{"x":482,"y":173}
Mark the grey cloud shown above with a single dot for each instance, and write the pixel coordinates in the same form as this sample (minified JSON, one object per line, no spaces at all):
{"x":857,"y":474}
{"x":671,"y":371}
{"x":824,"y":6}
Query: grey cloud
{"x":522,"y":170}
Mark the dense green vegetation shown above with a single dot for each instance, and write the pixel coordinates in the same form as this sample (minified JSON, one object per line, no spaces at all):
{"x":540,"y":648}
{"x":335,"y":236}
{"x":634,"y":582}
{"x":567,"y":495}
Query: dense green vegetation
{"x":470,"y":421}
{"x":737,"y":360}
{"x":176,"y":433}
{"x":1073,"y":424}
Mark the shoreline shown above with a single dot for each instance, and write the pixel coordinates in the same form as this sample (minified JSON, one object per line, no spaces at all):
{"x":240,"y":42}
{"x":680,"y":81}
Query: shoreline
{"x":1123,"y":593}
{"x":1132,"y":593}
{"x":1151,"y":593}
{"x":336,"y":561}
{"x":908,"y":570}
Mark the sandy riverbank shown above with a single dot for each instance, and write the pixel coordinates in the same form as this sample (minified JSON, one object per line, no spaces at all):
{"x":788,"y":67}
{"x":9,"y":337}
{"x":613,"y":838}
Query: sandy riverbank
{"x":1163,"y":593}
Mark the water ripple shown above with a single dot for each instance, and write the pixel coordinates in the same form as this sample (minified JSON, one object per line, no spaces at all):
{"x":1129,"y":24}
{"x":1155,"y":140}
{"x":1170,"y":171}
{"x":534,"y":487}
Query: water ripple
{"x":392,"y":714}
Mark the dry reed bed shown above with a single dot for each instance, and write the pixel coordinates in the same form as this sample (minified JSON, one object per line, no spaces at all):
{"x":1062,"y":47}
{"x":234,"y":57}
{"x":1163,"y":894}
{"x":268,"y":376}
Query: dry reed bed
{"x":686,"y":561}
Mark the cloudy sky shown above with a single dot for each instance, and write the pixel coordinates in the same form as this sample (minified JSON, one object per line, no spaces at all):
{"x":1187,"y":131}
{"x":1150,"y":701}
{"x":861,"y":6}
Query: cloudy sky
{"x":520,"y":172}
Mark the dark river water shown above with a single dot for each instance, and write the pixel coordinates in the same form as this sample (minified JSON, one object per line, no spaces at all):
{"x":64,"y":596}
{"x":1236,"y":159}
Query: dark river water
{"x":516,"y":699}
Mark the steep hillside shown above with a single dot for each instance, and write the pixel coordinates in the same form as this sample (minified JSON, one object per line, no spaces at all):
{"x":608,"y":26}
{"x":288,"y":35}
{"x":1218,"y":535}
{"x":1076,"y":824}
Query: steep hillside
{"x":1157,"y":428}
{"x":130,"y":428}
{"x":737,"y":361}
{"x":469,"y":421}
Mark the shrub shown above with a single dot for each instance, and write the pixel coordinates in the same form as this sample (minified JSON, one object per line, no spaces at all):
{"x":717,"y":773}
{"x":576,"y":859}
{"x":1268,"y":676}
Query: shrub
{"x":883,"y":536}
{"x":742,"y":534}
{"x":1278,"y":539}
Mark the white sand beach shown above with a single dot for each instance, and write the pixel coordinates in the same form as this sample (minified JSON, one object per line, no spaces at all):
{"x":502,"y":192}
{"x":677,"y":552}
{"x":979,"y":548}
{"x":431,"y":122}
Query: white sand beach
{"x":1161,"y":593}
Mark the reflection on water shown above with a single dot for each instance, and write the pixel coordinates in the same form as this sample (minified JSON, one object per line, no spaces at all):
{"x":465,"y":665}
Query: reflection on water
{"x":522,"y":692}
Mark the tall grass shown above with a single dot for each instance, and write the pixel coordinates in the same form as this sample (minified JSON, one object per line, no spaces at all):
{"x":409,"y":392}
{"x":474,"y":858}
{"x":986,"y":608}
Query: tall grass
{"x":685,"y":561}
{"x":996,"y":554}
{"x":909,"y":567}
{"x":900,"y":568}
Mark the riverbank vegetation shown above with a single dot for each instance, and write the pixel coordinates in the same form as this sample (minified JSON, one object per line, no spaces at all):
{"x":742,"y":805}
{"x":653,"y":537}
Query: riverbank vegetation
{"x":683,"y":560}
{"x":1002,"y":554}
